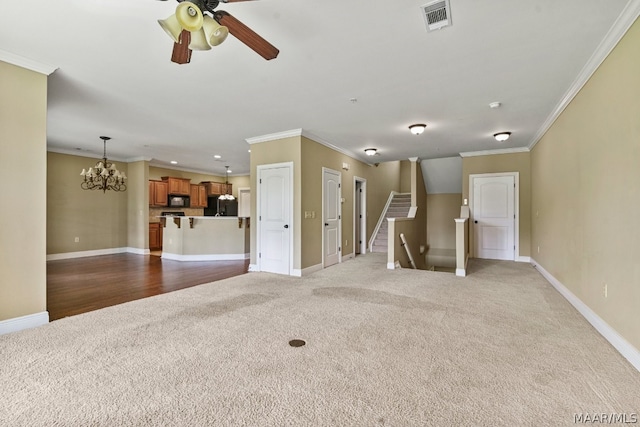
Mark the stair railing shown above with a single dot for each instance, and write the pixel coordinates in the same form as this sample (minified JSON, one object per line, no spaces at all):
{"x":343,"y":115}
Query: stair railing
{"x":382,"y":216}
{"x":406,"y":248}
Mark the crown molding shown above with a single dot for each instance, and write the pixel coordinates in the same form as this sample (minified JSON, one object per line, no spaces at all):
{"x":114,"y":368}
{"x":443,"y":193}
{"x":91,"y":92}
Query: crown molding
{"x":29,"y":64}
{"x":327,"y":144}
{"x":274,"y":136}
{"x":497,"y":151}
{"x":619,"y":28}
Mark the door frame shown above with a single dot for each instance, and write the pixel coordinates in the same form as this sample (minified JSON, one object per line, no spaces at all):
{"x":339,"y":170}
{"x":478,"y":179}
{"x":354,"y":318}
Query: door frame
{"x":516,"y":210}
{"x":324,"y":169}
{"x":259,"y":170}
{"x":363,"y":212}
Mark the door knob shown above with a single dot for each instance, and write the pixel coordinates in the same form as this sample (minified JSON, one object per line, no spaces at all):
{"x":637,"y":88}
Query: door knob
{"x":475,"y":222}
{"x":286,"y":226}
{"x":326,"y":224}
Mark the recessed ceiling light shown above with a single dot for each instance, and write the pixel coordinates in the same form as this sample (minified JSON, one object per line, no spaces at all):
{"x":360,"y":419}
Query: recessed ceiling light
{"x":495,"y":105}
{"x":417,"y":129}
{"x":249,"y":151}
{"x":217,"y":156}
{"x":502,"y":136}
{"x":370,"y":151}
{"x":173,"y":162}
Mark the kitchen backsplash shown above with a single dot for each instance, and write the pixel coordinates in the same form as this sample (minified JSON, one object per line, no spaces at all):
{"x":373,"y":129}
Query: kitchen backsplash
{"x":154,"y":213}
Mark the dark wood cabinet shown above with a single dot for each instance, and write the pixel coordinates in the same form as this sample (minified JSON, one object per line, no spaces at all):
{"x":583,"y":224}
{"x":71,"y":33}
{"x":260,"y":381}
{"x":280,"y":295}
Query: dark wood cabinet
{"x":198,"y":196}
{"x":178,"y":186}
{"x":155,"y":236}
{"x":158,"y":193}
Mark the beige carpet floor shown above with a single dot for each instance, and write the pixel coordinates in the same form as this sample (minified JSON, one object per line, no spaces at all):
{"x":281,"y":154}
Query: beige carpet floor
{"x":383,"y":348}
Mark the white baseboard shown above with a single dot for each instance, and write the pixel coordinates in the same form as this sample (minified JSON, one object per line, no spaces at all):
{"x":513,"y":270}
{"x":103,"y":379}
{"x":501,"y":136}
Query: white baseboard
{"x":391,"y":266}
{"x":82,"y":254}
{"x":24,"y":322}
{"x":523,"y":259}
{"x":205,"y":257}
{"x":138,"y":251}
{"x":627,"y":350}
{"x":312,"y":269}
{"x":461,"y":272}
{"x":253,"y":268}
{"x":296,"y":272}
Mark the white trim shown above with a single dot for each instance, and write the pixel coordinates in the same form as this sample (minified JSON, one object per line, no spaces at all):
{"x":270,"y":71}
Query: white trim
{"x":391,"y":266}
{"x":86,"y":154}
{"x":620,"y":27}
{"x":363,"y":212}
{"x":82,"y":254}
{"x":138,"y":251}
{"x":516,"y":211}
{"x":24,"y":322}
{"x":461,"y":272}
{"x":29,"y":64}
{"x":332,"y":171}
{"x":296,"y":272}
{"x":381,"y":219}
{"x":312,"y":269}
{"x":253,"y":268}
{"x":205,"y":257}
{"x":496,"y":151}
{"x":316,"y":138}
{"x":259,"y":169}
{"x":625,"y":348}
{"x":523,"y":259}
{"x":274,"y":136}
{"x":412,"y":212}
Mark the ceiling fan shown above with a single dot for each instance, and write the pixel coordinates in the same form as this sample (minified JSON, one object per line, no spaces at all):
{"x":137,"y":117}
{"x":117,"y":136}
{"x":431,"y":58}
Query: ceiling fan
{"x":191,"y":28}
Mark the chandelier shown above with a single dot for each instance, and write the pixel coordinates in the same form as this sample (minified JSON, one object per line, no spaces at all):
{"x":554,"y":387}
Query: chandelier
{"x":104,"y":175}
{"x":226,"y":195}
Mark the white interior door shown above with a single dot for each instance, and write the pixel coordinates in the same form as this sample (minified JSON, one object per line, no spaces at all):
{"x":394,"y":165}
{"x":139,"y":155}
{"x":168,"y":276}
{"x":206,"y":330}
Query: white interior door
{"x":331,"y":216}
{"x":494,"y":217}
{"x":274,"y":186}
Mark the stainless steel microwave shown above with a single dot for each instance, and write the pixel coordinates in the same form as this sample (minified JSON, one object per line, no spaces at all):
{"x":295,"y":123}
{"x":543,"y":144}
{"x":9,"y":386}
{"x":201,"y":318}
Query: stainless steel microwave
{"x":179,"y":201}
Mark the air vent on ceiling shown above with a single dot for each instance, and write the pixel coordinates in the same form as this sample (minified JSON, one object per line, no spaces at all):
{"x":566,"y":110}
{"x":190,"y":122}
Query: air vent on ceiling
{"x":437,"y":14}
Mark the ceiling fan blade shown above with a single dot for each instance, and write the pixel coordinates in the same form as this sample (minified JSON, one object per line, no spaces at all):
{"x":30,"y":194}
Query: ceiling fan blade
{"x":181,"y":53}
{"x":246,"y":35}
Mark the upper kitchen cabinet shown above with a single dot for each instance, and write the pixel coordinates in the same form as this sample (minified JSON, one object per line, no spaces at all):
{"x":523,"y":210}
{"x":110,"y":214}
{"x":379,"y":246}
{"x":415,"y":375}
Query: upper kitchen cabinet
{"x":178,"y":186}
{"x":198,"y":196}
{"x":158,"y":193}
{"x":217,"y":188}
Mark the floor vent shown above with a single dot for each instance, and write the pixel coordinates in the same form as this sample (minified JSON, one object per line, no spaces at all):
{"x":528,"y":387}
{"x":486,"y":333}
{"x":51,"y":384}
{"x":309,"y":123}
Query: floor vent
{"x":437,"y":14}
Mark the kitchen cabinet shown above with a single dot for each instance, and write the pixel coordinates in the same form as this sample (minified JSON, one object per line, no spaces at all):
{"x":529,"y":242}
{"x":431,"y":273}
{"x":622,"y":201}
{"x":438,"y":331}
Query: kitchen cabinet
{"x":178,"y":186}
{"x":155,"y":236}
{"x":198,"y":196}
{"x":158,"y":193}
{"x":218,"y":188}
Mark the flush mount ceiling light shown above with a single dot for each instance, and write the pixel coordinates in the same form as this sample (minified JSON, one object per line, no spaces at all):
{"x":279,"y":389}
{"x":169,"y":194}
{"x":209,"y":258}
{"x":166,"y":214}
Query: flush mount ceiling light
{"x":370,"y":151}
{"x":502,"y":136}
{"x":417,"y":129}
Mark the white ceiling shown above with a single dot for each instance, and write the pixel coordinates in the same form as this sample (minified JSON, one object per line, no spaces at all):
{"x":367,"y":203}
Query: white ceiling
{"x":115,"y":76}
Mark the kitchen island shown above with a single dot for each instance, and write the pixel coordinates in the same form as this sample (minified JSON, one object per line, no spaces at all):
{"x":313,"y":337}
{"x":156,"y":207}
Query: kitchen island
{"x":205,"y":238}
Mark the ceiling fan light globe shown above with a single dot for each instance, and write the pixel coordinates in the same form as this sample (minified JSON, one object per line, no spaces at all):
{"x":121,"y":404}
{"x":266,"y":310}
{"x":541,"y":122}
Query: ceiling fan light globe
{"x":502,"y":136}
{"x":189,"y":16}
{"x":215,"y":32}
{"x":199,"y":41}
{"x":172,"y":27}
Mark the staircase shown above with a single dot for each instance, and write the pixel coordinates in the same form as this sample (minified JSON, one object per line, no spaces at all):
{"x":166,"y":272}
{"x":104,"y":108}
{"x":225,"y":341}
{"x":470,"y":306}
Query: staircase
{"x":399,"y":208}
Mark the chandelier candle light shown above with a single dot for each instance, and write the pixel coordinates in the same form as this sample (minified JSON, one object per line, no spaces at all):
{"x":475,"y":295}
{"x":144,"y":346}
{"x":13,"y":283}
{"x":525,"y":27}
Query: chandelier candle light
{"x":104,"y":175}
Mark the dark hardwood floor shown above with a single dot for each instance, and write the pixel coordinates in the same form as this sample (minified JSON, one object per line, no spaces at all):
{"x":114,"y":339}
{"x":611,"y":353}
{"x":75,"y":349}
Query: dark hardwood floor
{"x":79,"y":285}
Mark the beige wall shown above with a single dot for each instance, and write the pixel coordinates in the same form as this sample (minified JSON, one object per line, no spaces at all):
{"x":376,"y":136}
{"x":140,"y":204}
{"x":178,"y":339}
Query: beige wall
{"x":309,"y":157}
{"x":405,"y":176}
{"x":277,"y":151}
{"x":23,"y":165}
{"x":138,"y":205}
{"x":515,"y":162}
{"x":586,"y":198}
{"x":442,"y":209}
{"x":381,"y":180}
{"x":98,"y":219}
